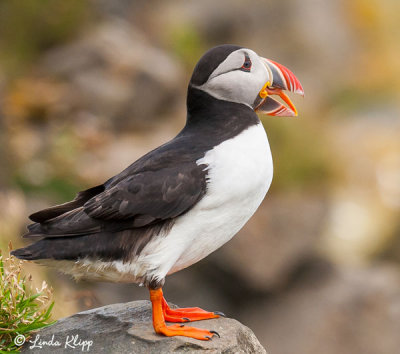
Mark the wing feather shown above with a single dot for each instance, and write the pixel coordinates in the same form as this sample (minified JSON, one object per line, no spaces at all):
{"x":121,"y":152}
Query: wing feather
{"x":57,"y":210}
{"x":149,"y":196}
{"x":139,"y":200}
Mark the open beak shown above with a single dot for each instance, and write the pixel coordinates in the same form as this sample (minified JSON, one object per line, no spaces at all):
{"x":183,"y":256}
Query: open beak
{"x":282,"y":80}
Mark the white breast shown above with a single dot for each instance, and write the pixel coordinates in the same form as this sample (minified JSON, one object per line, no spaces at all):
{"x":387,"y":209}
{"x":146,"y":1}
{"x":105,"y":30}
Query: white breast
{"x":239,"y":175}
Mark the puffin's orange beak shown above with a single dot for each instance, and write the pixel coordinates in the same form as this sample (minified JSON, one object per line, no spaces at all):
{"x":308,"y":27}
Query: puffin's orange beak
{"x":282,"y":79}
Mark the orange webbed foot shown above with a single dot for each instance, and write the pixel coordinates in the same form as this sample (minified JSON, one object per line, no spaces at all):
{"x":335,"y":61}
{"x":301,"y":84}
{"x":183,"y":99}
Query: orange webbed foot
{"x":162,"y":312}
{"x":182,"y":330}
{"x":187,"y":314}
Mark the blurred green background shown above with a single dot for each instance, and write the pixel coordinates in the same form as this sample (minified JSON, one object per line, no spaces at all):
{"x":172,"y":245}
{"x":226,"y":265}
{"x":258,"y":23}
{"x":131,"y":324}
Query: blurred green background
{"x":87,"y":87}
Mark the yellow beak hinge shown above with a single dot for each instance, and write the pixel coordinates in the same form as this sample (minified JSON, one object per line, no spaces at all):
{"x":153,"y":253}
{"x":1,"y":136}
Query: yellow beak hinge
{"x":264,"y":93}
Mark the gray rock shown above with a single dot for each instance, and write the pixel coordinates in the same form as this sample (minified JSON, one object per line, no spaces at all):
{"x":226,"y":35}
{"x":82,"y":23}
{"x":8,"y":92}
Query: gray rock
{"x":127,"y":328}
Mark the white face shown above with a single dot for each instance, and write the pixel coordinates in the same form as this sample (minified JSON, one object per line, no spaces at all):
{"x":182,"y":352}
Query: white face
{"x":233,"y":80}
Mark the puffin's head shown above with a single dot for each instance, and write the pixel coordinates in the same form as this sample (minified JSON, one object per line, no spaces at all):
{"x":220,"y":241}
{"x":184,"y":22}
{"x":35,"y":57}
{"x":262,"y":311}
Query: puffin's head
{"x":237,"y":74}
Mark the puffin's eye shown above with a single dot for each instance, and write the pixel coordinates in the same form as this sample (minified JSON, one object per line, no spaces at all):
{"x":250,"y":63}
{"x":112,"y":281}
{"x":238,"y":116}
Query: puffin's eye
{"x":247,"y":63}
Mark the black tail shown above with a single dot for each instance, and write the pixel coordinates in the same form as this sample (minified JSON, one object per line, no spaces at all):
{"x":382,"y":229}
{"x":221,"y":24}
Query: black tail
{"x":42,"y":249}
{"x":49,"y":248}
{"x":23,"y":253}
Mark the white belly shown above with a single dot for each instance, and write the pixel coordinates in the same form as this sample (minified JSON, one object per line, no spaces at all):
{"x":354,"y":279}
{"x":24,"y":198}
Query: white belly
{"x":239,"y":175}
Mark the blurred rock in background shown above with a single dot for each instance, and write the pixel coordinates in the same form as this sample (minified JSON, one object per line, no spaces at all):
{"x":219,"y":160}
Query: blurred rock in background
{"x":88,"y":87}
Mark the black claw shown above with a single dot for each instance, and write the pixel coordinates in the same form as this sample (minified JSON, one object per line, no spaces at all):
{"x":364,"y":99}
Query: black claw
{"x":181,"y":325}
{"x":208,"y":337}
{"x":216,"y":333}
{"x":219,"y":313}
{"x":186,"y":319}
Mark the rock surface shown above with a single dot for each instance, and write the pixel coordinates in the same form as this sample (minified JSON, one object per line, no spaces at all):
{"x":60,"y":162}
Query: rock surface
{"x":127,"y":328}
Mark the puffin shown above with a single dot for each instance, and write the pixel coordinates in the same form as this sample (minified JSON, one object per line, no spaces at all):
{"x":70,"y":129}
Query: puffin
{"x":181,"y":201}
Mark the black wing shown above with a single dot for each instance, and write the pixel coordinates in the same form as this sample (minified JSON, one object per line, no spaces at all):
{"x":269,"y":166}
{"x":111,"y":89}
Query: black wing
{"x":138,"y":200}
{"x":149,"y":196}
{"x":161,"y":185}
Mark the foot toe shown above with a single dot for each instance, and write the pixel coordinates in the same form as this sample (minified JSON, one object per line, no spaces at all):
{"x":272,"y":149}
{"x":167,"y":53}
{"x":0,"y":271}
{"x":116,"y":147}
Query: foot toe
{"x":216,"y":333}
{"x":219,"y":313}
